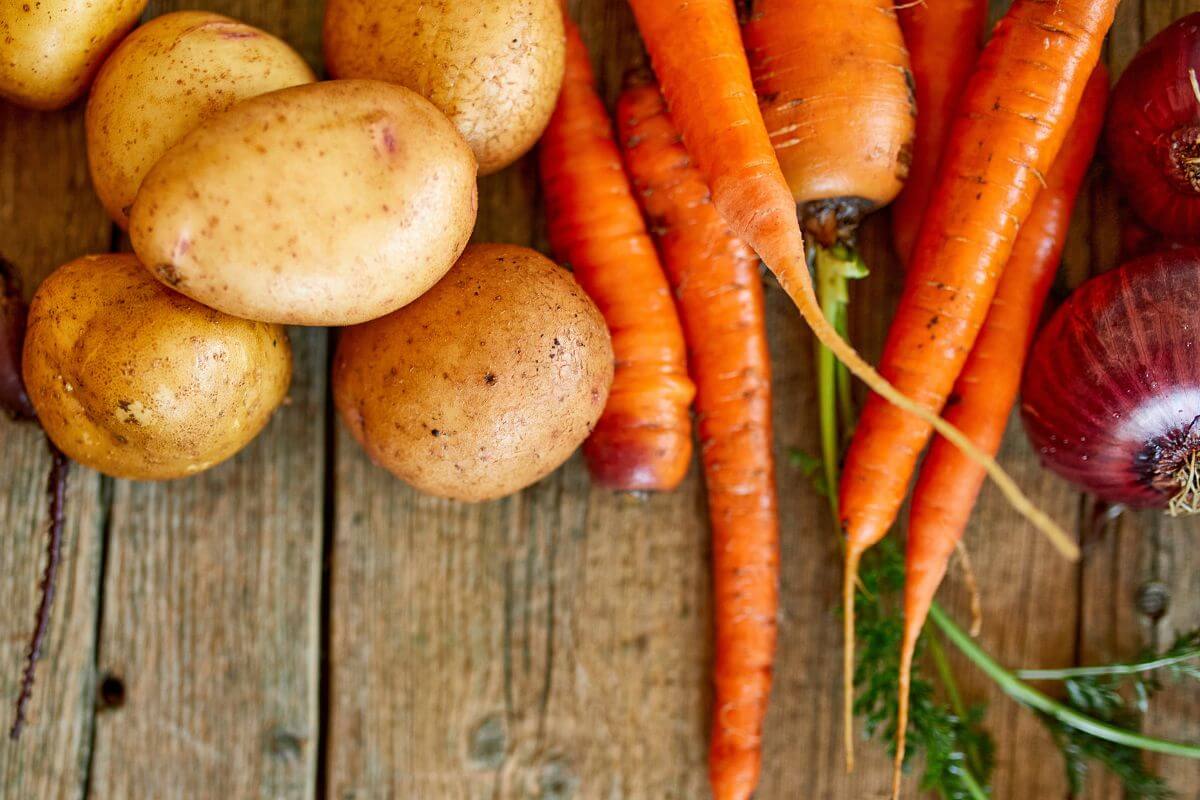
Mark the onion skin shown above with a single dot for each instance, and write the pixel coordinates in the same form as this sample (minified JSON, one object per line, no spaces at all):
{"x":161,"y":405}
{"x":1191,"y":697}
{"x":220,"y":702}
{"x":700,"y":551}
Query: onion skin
{"x":13,"y":399}
{"x":1153,"y":130}
{"x":1111,"y":395}
{"x":1137,"y":240}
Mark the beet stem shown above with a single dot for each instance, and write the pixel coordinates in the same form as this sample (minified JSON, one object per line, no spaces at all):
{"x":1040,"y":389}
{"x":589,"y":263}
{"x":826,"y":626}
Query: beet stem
{"x":56,"y":489}
{"x":1187,"y":501}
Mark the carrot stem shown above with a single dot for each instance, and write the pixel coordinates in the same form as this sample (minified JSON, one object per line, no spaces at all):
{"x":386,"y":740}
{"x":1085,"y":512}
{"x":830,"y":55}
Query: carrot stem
{"x":972,"y":785}
{"x":1102,"y":671}
{"x":834,"y":267}
{"x":946,"y":675}
{"x":845,"y":391}
{"x":827,"y":411}
{"x":1026,"y":695}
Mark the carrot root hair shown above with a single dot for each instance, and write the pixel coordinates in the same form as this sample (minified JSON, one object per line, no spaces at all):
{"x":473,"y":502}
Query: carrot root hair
{"x":907,"y":654}
{"x":972,"y":583}
{"x":849,"y":587}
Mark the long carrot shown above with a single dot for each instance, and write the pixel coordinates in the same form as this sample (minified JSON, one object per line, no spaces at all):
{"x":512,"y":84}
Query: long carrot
{"x":719,"y":290}
{"x":983,"y":397}
{"x":943,"y":39}
{"x":643,"y":440}
{"x":832,"y":78}
{"x":1010,"y":124}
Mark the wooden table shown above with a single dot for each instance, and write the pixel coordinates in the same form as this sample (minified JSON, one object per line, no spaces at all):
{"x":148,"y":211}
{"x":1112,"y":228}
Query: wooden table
{"x":298,"y":624}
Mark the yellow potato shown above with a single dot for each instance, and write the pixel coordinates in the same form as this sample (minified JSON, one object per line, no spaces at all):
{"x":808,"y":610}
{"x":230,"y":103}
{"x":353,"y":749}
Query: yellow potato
{"x":326,"y":204}
{"x":493,"y":66}
{"x":50,"y":49}
{"x":166,"y":78}
{"x":485,"y":384}
{"x":137,"y":381}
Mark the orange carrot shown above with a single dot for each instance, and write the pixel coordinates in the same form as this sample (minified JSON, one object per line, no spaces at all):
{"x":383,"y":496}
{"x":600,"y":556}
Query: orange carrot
{"x":843,"y":137}
{"x":832,"y":77}
{"x":1010,"y":124}
{"x":985,"y":392}
{"x":719,"y":290}
{"x":643,"y":440}
{"x":943,"y":38}
{"x":696,"y":51}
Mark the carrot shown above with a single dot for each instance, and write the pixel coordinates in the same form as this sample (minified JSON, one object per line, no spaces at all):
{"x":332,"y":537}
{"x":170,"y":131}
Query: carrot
{"x":1010,"y":124}
{"x":943,"y":38}
{"x":984,"y":394}
{"x":832,"y":81}
{"x":719,"y":290}
{"x":832,"y":78}
{"x":643,"y":440}
{"x":696,"y":52}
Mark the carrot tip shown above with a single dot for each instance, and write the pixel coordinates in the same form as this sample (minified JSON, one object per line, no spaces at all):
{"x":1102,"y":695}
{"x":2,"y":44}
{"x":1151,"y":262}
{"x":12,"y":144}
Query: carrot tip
{"x":849,"y":582}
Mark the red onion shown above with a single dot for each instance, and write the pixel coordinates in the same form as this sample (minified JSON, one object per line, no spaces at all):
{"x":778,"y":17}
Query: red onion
{"x":1153,"y":130}
{"x":1138,"y":240}
{"x":13,"y":399}
{"x":1111,"y":395}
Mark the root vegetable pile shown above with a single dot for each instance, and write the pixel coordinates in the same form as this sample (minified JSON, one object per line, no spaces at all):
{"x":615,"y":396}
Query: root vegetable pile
{"x":256,"y":195}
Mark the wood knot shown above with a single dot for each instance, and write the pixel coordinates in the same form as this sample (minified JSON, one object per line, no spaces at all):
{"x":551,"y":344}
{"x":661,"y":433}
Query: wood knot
{"x":283,"y":745}
{"x":110,"y":693}
{"x":1153,"y":600}
{"x":557,"y":781}
{"x":487,"y":743}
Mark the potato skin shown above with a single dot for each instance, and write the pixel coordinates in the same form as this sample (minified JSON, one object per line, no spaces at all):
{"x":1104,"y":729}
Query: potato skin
{"x":326,"y":204}
{"x":137,"y":381}
{"x":485,"y":384}
{"x":493,"y":66}
{"x":50,"y":49}
{"x":166,"y":78}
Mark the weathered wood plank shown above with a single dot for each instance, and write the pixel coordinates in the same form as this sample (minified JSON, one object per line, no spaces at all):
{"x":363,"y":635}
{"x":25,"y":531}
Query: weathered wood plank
{"x":212,"y":589}
{"x":47,"y":216}
{"x":803,"y":738}
{"x":554,"y":644}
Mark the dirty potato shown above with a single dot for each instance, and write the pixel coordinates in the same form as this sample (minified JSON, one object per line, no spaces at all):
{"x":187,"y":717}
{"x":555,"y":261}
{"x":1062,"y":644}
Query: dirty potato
{"x":326,"y":204}
{"x":138,"y":381}
{"x":485,"y":384}
{"x":493,"y":66}
{"x":166,"y":78}
{"x":50,"y":49}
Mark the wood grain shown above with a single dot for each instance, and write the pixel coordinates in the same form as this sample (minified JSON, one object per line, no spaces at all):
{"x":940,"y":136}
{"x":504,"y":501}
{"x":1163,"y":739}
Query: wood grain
{"x":553,"y":645}
{"x":212,"y":589}
{"x":47,"y":217}
{"x":550,"y":645}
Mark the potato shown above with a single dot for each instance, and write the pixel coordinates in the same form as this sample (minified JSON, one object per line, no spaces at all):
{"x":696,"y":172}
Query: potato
{"x":493,"y":66}
{"x":484,"y":385}
{"x":137,"y":381}
{"x":166,"y":78}
{"x":326,"y":204}
{"x":50,"y":49}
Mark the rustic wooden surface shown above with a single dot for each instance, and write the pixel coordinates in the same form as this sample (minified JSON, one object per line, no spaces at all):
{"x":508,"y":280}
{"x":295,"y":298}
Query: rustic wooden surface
{"x":298,"y":624}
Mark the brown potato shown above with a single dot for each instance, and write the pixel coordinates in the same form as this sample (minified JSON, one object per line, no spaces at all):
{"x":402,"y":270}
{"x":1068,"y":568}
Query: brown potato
{"x":50,"y":49}
{"x":493,"y":67}
{"x":326,"y":204}
{"x":166,"y":78}
{"x":485,"y":384}
{"x":137,"y":381}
